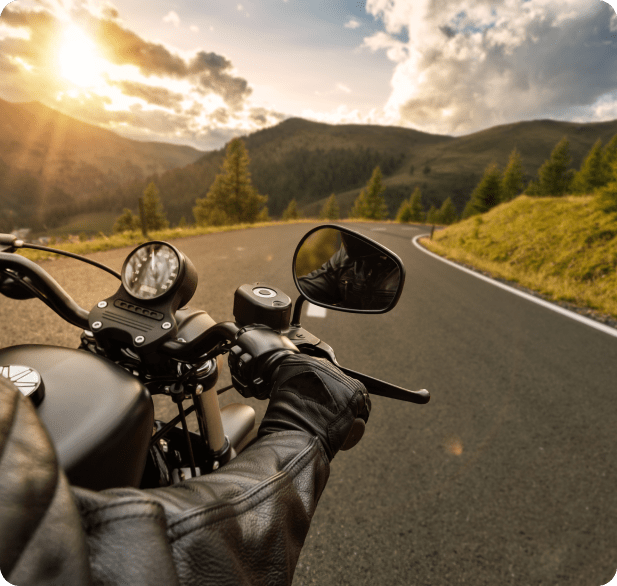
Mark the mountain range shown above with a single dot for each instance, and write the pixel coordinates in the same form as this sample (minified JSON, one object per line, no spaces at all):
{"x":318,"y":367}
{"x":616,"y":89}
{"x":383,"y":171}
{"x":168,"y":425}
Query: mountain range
{"x":53,"y":166}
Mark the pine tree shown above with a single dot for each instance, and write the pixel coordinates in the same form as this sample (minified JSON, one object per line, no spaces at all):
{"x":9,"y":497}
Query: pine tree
{"x":606,"y":196}
{"x":291,"y":213}
{"x":411,"y":210}
{"x":416,"y":207}
{"x":555,"y":175}
{"x":154,"y":214}
{"x":532,"y":188}
{"x":128,"y":221}
{"x":404,"y":212}
{"x":592,"y":173}
{"x":512,"y":180}
{"x":370,"y":204}
{"x":432,"y":216}
{"x":487,"y":194}
{"x":330,"y":210}
{"x":609,"y":156}
{"x":231,"y":197}
{"x":263,"y":215}
{"x":447,"y":212}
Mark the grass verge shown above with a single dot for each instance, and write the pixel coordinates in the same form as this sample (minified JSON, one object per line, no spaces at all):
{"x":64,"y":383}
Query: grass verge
{"x":562,"y":247}
{"x":104,"y":242}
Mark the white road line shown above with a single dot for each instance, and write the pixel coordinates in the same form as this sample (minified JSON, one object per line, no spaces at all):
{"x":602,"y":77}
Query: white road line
{"x":315,"y":311}
{"x":571,"y":314}
{"x":378,"y":229}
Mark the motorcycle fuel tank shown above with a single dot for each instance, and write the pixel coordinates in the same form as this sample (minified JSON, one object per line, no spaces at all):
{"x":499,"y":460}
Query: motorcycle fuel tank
{"x":99,"y":417}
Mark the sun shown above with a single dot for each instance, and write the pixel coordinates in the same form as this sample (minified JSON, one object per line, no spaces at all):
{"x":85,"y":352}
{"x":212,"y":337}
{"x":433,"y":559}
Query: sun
{"x":79,"y":60}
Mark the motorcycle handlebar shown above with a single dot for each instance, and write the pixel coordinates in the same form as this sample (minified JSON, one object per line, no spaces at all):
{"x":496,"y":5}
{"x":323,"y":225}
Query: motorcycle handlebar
{"x":47,"y":288}
{"x":50,"y":291}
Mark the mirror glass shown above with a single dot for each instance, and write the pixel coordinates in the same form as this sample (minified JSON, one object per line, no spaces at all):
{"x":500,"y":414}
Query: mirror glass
{"x":345,"y":271}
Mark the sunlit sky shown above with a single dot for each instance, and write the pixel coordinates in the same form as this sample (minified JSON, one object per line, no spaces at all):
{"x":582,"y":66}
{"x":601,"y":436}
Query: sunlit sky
{"x":200,"y":72}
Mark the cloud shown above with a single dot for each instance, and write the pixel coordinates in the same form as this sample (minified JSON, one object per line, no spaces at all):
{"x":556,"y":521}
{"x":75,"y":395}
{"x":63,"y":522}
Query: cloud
{"x":39,"y":25}
{"x":145,"y":89}
{"x":461,"y":66}
{"x":124,"y":47}
{"x":172,"y":18}
{"x":352,"y":23}
{"x":344,"y":115}
{"x":155,"y":95}
{"x":212,"y":72}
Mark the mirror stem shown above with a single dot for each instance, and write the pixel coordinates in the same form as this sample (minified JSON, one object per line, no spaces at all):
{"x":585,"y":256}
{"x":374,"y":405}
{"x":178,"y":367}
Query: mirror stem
{"x":295,"y":320}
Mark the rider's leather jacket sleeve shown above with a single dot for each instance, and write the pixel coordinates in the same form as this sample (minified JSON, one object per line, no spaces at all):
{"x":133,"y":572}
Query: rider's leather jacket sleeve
{"x":244,"y":524}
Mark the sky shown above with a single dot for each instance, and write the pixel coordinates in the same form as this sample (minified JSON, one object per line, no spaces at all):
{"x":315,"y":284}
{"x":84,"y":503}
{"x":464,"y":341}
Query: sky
{"x":200,"y":72}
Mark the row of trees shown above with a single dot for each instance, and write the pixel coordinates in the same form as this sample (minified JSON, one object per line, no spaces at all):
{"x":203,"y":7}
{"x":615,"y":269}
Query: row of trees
{"x":412,"y":210}
{"x":232,"y":198}
{"x":597,"y":175}
{"x":371,"y":205}
{"x":154,"y":217}
{"x":496,"y":187}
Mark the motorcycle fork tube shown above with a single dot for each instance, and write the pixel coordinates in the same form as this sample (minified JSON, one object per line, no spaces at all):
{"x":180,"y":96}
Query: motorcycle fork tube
{"x":187,"y":438}
{"x":209,"y":418}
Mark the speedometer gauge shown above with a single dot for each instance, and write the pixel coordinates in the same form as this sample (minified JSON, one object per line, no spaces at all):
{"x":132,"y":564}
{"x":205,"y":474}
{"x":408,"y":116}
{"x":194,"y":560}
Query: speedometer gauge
{"x":151,"y":271}
{"x":157,"y":280}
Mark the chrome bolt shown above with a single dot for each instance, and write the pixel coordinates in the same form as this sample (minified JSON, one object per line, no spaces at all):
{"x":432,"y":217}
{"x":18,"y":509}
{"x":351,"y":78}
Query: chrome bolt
{"x":164,"y":445}
{"x":215,"y":465}
{"x":166,"y":325}
{"x":97,"y":325}
{"x":102,"y":304}
{"x":140,"y":340}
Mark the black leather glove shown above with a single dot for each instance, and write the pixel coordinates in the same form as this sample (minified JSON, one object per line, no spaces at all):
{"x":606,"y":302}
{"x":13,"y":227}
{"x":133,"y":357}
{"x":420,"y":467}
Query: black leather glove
{"x":312,"y":395}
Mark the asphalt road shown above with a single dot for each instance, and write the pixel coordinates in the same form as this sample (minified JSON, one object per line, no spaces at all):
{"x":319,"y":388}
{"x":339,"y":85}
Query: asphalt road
{"x":507,"y":476}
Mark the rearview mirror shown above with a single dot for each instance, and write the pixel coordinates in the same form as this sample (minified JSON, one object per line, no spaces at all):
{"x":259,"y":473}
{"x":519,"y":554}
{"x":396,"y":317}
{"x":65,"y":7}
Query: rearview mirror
{"x":338,"y":268}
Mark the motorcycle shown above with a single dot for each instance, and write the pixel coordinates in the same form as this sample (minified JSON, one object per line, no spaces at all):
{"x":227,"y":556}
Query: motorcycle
{"x":144,"y":340}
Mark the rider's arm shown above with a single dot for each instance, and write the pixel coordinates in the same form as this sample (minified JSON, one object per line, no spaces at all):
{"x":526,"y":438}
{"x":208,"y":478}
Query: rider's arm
{"x":244,"y":524}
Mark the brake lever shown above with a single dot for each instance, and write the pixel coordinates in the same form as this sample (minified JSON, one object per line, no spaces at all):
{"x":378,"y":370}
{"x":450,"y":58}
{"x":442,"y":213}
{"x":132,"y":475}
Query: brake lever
{"x":383,"y":389}
{"x":309,"y":344}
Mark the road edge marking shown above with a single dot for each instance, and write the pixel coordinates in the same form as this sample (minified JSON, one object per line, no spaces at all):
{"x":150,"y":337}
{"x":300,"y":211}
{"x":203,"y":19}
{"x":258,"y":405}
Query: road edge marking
{"x":316,"y":311}
{"x":547,"y":304}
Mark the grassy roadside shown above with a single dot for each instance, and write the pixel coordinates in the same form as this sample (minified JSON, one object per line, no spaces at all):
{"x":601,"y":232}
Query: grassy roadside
{"x":114,"y":241}
{"x":104,"y":242}
{"x":562,"y":247}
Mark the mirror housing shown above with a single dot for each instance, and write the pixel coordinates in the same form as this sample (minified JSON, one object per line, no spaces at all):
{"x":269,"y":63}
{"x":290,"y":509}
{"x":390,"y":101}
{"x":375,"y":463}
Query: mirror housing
{"x":337,"y":268}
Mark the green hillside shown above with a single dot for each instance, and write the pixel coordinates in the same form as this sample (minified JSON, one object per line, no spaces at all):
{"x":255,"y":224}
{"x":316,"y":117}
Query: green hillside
{"x":53,"y":167}
{"x":308,"y":161}
{"x":562,"y":247}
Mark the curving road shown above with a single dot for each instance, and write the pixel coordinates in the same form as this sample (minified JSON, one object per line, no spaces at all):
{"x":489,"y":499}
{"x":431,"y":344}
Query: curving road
{"x":507,"y":476}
